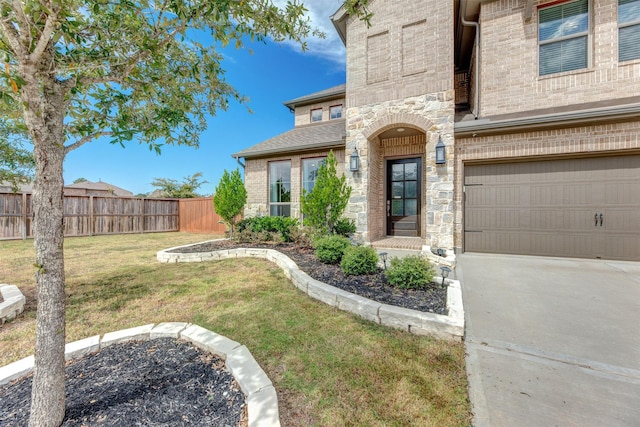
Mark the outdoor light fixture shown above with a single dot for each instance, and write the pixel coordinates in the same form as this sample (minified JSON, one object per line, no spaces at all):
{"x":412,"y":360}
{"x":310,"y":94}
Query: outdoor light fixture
{"x":440,"y":252}
{"x":441,"y":155}
{"x":445,"y":273}
{"x":383,"y":256}
{"x":354,"y":161}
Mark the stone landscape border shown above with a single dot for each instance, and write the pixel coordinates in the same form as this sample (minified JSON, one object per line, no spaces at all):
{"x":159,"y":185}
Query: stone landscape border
{"x":262,"y":401}
{"x":449,"y":327}
{"x":12,"y":303}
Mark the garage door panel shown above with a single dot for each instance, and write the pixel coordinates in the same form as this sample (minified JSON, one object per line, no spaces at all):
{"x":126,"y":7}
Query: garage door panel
{"x":553,"y":208}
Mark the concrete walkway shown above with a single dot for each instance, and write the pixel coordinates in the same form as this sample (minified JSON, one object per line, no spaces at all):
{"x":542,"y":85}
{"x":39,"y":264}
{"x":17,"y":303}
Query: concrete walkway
{"x":552,"y":341}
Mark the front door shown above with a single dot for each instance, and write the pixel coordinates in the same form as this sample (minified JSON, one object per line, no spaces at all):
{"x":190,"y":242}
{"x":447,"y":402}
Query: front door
{"x":403,"y":197}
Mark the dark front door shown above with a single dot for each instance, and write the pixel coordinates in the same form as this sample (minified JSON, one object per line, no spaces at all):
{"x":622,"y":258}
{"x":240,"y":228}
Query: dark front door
{"x":403,"y":197}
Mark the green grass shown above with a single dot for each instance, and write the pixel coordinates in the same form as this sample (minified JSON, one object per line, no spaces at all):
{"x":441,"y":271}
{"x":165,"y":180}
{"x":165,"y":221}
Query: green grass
{"x":329,"y":367}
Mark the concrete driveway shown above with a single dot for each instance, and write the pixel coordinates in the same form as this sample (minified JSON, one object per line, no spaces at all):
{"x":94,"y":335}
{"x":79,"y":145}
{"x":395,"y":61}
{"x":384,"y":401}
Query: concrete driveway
{"x":552,"y":341}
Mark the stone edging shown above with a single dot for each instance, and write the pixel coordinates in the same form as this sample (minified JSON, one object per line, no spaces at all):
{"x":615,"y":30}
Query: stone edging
{"x":12,"y":302}
{"x":417,"y":322}
{"x":262,"y":401}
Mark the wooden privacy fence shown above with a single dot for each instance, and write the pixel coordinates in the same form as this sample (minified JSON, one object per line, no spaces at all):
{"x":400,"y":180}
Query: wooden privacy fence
{"x":91,"y":215}
{"x":198,"y":216}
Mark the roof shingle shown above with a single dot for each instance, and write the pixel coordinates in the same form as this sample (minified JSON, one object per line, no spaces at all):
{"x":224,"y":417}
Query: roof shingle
{"x":321,"y":135}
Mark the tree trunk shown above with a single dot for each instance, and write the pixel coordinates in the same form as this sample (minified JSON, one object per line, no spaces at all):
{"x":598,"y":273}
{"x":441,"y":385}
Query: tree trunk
{"x":44,"y":115}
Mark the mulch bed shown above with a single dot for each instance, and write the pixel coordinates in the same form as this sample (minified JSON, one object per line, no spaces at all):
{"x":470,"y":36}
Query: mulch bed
{"x":161,"y":382}
{"x":433,"y":298}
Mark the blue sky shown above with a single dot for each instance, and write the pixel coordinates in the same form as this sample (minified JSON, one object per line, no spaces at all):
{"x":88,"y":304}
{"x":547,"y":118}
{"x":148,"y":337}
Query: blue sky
{"x":274,"y":73}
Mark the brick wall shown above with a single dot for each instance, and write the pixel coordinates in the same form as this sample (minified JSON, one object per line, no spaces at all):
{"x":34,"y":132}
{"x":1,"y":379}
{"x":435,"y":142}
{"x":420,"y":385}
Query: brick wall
{"x":303,"y":114}
{"x":257,"y":181}
{"x":602,"y":139}
{"x":509,"y":78}
{"x":407,"y":51}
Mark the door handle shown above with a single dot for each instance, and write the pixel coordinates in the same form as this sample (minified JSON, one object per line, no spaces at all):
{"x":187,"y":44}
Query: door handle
{"x":601,"y":219}
{"x":596,"y":216}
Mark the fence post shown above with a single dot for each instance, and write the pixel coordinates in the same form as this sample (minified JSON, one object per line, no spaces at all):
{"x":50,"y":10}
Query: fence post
{"x":91,"y":224}
{"x":24,"y":216}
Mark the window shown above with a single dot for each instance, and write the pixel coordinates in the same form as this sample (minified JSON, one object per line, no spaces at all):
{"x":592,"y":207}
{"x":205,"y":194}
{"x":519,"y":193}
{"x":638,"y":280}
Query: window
{"x":563,"y":36}
{"x":310,"y":168}
{"x":316,"y":115}
{"x":335,"y":112}
{"x":280,"y":188}
{"x":628,"y":30}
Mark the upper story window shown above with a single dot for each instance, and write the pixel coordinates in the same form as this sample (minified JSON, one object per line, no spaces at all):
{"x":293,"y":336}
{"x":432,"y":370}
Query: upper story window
{"x":316,"y":115}
{"x":335,"y":112}
{"x":280,"y":188}
{"x":628,"y":29}
{"x":563,"y":37}
{"x":310,"y":168}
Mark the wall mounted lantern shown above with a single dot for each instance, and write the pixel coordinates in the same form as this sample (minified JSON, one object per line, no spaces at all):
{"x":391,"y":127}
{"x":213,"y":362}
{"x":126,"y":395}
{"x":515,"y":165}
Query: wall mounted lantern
{"x":354,"y":161}
{"x":441,"y":154}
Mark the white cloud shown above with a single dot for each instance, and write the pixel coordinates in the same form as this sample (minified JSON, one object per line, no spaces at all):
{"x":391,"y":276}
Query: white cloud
{"x":319,"y":12}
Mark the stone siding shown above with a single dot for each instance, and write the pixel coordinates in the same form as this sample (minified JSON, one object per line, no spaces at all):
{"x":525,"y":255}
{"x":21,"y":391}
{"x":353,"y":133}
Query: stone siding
{"x":432,"y":114}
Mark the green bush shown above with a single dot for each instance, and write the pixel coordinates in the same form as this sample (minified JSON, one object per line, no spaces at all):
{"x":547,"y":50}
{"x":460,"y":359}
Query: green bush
{"x":280,"y":228}
{"x":344,"y":227}
{"x":412,"y":272}
{"x":359,"y":260}
{"x":330,"y":249}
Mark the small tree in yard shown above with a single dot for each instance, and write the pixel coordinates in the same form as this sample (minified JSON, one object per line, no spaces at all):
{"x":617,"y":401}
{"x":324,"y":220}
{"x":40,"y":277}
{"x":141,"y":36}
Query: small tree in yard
{"x":323,"y":206}
{"x":230,"y":198}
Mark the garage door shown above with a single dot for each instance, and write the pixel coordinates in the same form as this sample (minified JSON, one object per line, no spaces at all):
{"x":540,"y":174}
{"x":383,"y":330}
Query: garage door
{"x":587,"y":208}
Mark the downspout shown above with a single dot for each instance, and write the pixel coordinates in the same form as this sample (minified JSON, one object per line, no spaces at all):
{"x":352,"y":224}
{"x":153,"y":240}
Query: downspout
{"x":239,"y":162}
{"x":476,"y":71}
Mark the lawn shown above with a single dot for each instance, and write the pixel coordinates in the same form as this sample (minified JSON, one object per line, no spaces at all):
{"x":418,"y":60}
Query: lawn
{"x":329,"y":367}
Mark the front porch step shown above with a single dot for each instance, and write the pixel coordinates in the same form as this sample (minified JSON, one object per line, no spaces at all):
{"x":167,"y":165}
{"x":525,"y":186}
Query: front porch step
{"x":407,"y":243}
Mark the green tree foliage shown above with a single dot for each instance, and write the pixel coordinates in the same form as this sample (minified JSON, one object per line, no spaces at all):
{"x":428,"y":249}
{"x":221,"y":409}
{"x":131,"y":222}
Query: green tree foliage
{"x":323,"y":206}
{"x":16,"y":162}
{"x":79,"y":180}
{"x":187,"y":189}
{"x":78,"y":70}
{"x":230,"y":197}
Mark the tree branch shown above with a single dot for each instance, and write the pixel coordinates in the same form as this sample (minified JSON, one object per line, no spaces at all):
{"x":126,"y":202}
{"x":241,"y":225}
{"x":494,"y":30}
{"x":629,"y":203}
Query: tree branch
{"x":23,"y":23}
{"x":79,"y":143}
{"x":13,"y":37}
{"x":45,"y":37}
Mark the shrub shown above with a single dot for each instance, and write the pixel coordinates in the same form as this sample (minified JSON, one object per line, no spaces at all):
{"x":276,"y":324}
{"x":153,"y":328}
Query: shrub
{"x":344,"y":227}
{"x":324,"y":204}
{"x":359,"y":260}
{"x":305,"y":236}
{"x":412,"y":272}
{"x":279,"y":227}
{"x":230,"y":198}
{"x":330,"y":249}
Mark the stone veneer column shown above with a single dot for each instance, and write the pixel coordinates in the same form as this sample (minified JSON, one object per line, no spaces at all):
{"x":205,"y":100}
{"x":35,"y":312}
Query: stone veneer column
{"x":434,"y":115}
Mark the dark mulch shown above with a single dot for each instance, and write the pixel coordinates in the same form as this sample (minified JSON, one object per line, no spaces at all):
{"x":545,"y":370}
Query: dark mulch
{"x":161,"y":382}
{"x":432,"y":299}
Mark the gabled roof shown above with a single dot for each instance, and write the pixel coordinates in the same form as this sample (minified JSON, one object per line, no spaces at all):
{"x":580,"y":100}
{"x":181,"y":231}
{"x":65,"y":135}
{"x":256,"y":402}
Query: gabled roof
{"x":323,"y":135}
{"x":103,"y":186}
{"x":323,"y":95}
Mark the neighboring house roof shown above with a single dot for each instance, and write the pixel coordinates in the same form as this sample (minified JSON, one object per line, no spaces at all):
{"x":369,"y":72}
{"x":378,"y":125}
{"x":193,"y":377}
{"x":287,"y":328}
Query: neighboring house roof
{"x":101,"y":186}
{"x":7,"y":187}
{"x":323,"y":95}
{"x":314,"y":136}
